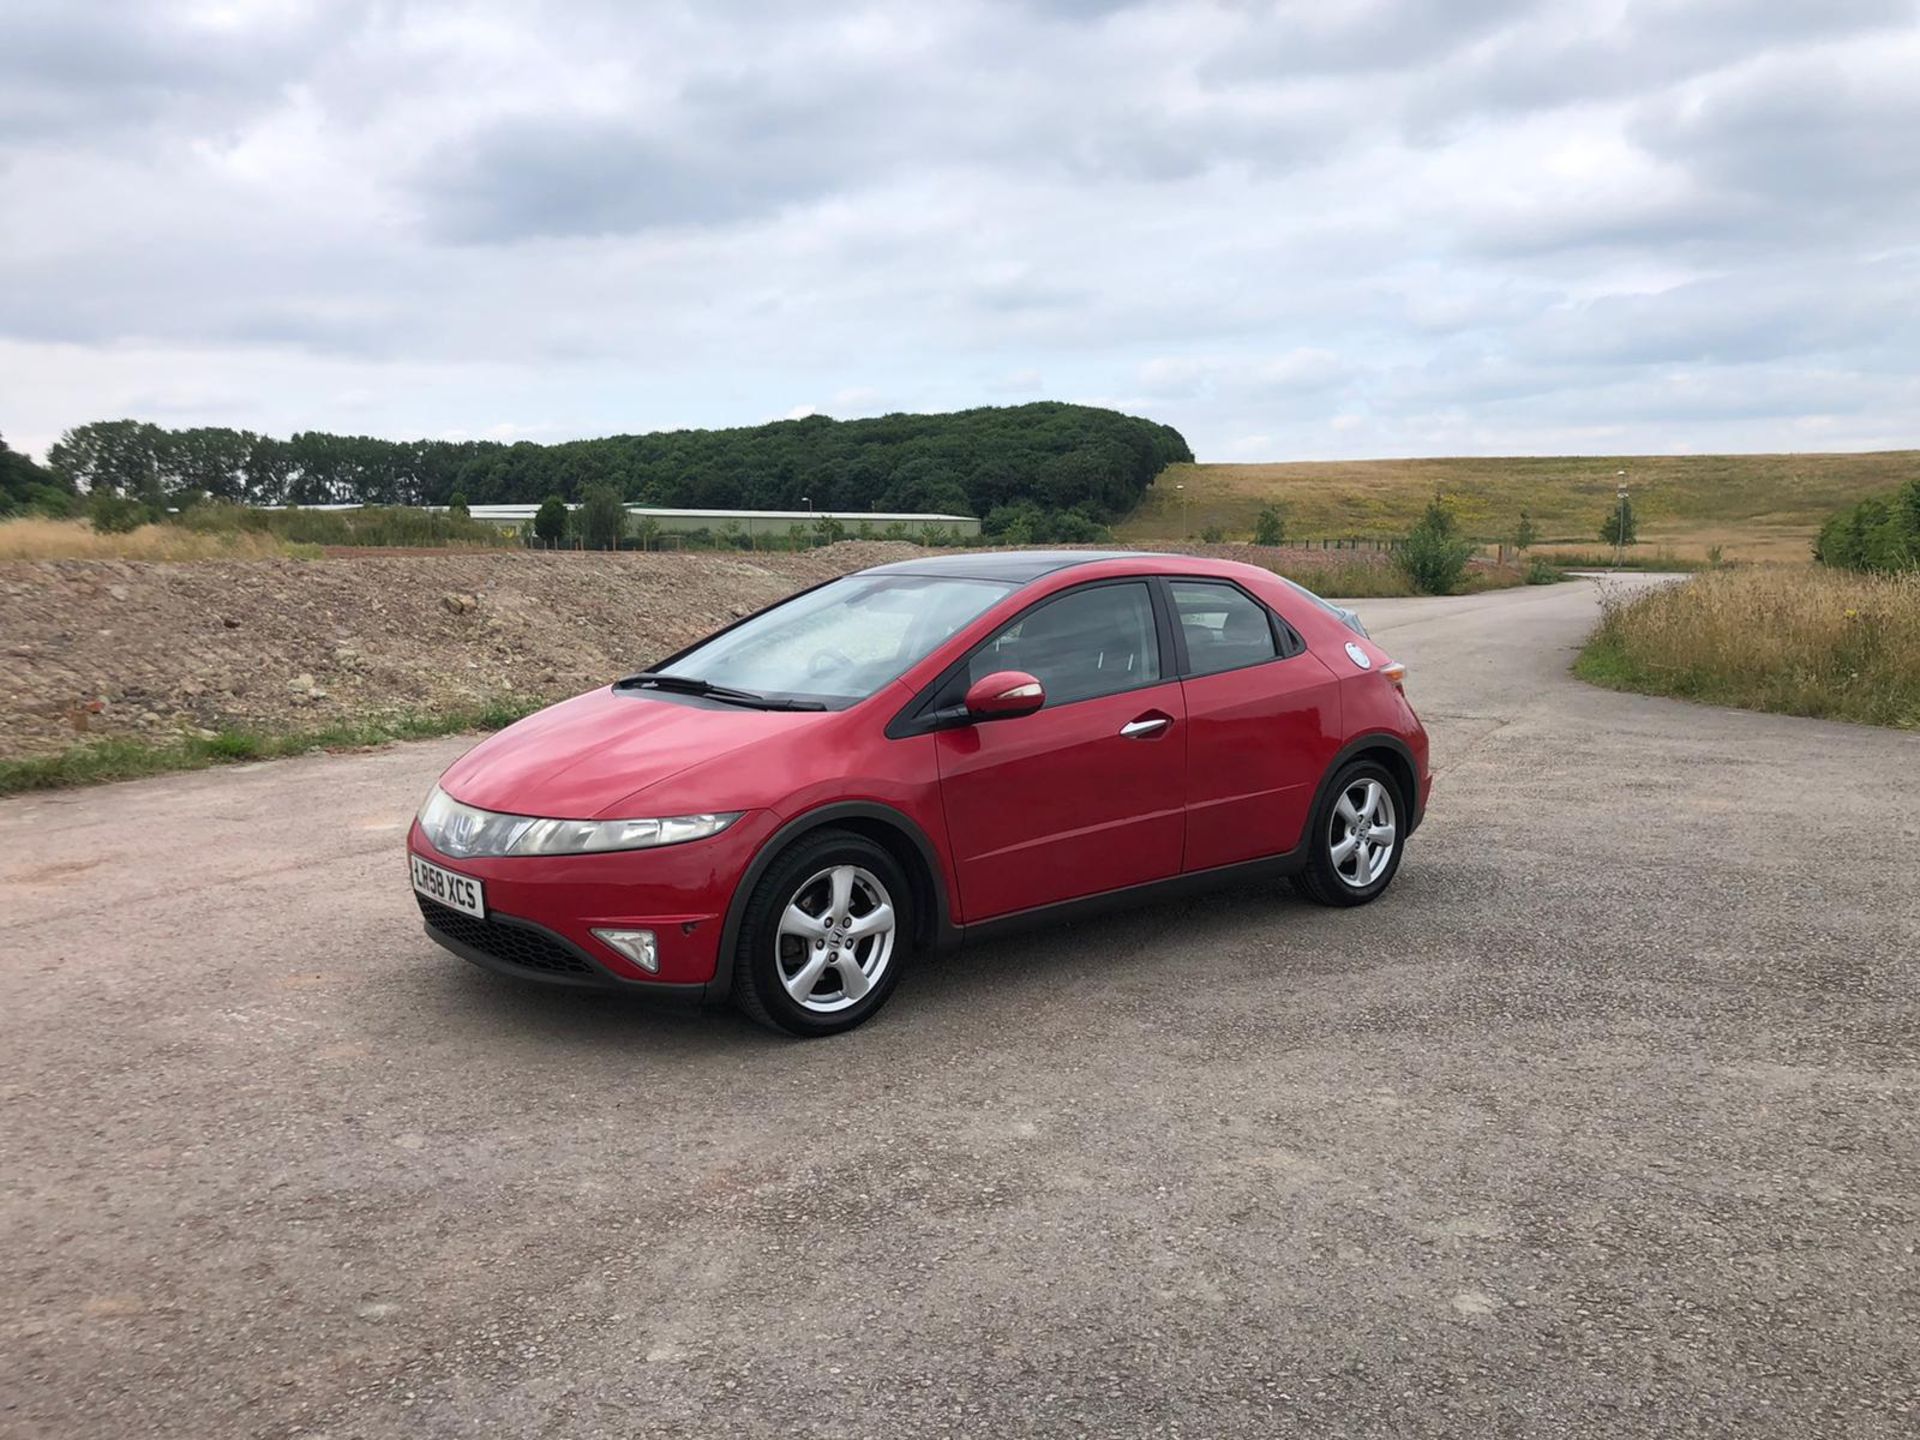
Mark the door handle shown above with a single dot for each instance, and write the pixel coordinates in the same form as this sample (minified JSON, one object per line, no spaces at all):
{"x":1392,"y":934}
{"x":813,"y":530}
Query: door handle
{"x":1146,"y":727}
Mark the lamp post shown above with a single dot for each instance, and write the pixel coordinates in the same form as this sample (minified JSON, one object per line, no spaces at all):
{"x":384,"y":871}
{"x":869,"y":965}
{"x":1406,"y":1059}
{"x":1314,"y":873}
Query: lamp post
{"x":1620,"y":528}
{"x":1181,"y":490}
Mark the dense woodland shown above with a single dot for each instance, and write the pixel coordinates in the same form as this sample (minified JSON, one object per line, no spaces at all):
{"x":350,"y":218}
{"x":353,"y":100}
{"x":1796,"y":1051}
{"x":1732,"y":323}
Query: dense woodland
{"x":1044,"y":459}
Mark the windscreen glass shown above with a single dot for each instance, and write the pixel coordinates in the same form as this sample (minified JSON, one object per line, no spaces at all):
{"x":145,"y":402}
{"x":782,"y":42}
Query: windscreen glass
{"x":843,"y":641}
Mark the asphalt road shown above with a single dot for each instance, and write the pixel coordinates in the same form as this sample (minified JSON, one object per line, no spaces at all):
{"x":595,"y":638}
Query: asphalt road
{"x":1603,"y":1122}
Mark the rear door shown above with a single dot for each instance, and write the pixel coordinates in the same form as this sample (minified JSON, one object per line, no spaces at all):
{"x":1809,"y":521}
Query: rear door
{"x":1088,"y":793}
{"x":1263,"y":722}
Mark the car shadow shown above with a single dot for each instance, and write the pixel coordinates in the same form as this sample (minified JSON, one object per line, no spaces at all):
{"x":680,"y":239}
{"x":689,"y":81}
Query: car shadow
{"x":1123,"y":943}
{"x":588,"y":1018}
{"x":1136,"y":937}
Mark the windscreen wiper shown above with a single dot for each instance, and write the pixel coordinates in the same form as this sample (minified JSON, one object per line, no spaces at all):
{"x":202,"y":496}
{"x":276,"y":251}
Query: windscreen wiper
{"x":706,"y":689}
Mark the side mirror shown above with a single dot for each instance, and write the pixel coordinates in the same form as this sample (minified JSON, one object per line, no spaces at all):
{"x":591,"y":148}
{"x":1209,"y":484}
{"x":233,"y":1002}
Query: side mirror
{"x":1003,"y":695}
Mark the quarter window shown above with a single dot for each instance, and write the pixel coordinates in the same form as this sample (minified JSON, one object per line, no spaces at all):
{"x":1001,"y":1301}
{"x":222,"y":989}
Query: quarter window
{"x":1224,"y":627}
{"x":1091,"y":642}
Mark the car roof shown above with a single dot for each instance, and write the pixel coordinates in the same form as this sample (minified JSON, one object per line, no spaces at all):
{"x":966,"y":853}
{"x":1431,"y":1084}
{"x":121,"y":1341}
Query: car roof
{"x":1022,"y":567}
{"x":1019,"y":566}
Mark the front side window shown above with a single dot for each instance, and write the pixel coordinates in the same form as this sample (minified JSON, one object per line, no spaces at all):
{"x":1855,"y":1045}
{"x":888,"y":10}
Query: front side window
{"x":1091,"y":642}
{"x":1224,"y":627}
{"x":842,"y":641}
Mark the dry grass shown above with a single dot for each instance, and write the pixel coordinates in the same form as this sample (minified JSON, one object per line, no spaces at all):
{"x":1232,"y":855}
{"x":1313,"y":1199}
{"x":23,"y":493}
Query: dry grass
{"x":36,"y":539}
{"x":1755,"y":507}
{"x":1812,"y":641}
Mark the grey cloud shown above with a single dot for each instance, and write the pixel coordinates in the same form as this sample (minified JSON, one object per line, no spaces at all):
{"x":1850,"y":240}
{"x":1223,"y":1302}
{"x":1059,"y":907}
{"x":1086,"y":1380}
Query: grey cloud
{"x":1812,"y":140}
{"x":1496,"y":224}
{"x":542,"y":178}
{"x":1310,"y":37}
{"x":1549,"y":61}
{"x":1759,"y":316}
{"x":70,"y":69}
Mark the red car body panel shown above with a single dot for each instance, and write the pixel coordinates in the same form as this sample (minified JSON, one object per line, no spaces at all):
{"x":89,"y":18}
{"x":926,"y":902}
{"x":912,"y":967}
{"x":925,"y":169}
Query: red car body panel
{"x":1258,"y":741}
{"x":1059,"y":804}
{"x":1007,"y":816}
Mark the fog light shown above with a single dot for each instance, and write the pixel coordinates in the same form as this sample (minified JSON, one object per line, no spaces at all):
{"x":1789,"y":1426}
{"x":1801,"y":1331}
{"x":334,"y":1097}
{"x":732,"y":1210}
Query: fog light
{"x":636,"y":945}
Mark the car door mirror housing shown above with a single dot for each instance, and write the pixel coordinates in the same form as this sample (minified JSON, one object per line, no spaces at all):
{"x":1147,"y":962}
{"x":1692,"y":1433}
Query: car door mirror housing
{"x":1003,"y":695}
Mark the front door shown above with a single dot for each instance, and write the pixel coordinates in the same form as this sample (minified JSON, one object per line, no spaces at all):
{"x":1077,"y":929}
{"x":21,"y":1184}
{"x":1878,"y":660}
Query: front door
{"x":1088,"y":793}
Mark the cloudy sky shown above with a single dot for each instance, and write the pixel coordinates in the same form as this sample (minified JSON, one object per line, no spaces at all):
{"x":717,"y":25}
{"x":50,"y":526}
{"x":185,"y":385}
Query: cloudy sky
{"x":1310,"y":228}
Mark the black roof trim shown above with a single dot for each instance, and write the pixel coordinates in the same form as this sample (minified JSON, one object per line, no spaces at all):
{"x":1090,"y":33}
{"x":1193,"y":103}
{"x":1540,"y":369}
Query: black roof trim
{"x":1017,"y":566}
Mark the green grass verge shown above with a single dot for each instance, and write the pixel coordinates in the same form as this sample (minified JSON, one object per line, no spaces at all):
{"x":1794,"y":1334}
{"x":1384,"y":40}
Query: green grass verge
{"x":1813,"y":642}
{"x":131,"y":757}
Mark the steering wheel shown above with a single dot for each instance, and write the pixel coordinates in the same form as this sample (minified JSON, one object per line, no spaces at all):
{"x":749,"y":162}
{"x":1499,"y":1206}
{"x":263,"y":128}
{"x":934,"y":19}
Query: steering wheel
{"x":825,"y":662}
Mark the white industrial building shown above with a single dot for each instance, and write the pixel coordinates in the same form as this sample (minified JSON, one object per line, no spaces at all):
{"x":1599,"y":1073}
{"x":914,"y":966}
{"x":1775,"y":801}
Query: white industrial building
{"x":743,"y":522}
{"x":749,"y":522}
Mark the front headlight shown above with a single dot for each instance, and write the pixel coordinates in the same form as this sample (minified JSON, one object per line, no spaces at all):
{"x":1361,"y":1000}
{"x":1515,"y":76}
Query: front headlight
{"x":463,"y":831}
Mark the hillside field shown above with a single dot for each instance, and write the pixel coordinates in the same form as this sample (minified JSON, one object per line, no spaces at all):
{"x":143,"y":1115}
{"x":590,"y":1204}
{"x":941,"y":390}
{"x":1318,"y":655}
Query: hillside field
{"x":1757,"y":507}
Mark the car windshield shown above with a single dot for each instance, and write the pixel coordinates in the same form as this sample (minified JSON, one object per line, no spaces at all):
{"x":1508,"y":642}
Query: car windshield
{"x":842,"y":641}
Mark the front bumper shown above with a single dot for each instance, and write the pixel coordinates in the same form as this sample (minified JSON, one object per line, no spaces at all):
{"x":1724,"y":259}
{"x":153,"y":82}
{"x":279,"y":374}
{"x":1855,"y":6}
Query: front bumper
{"x":526,"y":951}
{"x":542,"y":910}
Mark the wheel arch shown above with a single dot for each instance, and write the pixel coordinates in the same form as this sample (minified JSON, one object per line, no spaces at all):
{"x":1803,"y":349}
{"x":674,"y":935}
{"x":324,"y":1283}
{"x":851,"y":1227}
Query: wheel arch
{"x":1389,"y":751}
{"x":891,"y":829}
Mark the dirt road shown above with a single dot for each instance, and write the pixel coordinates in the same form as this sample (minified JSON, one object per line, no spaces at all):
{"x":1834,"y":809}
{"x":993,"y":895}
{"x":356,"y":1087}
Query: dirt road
{"x":1606,"y":1121}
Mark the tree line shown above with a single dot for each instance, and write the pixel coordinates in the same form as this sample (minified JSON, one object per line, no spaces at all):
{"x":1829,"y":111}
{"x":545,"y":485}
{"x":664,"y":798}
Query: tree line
{"x":1047,"y":458}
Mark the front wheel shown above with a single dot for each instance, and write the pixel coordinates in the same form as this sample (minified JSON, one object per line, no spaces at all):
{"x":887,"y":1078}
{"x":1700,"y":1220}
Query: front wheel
{"x":1356,"y":838}
{"x":824,"y":935}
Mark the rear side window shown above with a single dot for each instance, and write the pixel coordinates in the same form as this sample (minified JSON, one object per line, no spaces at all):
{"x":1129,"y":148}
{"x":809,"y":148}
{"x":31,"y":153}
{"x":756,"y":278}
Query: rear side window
{"x":1224,"y":627}
{"x":1092,"y":642}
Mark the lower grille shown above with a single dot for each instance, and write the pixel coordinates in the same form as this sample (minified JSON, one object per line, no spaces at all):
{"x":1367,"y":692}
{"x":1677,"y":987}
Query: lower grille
{"x":511,"y":944}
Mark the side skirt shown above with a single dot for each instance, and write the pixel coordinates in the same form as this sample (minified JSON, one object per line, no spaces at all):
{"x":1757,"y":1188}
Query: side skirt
{"x":1174,"y":887}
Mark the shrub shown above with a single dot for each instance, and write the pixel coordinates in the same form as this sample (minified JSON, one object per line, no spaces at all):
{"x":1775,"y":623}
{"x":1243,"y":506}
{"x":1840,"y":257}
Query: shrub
{"x":1071,"y":527}
{"x":1622,"y":526}
{"x":550,"y":521}
{"x":1524,"y":533}
{"x":112,"y":515}
{"x":603,"y":518}
{"x":1021,"y":522}
{"x":457,"y":505}
{"x":1539,"y":572}
{"x":1433,"y":557}
{"x":1212,"y":534}
{"x":1880,"y":535}
{"x":375,"y":525}
{"x":1270,"y":526}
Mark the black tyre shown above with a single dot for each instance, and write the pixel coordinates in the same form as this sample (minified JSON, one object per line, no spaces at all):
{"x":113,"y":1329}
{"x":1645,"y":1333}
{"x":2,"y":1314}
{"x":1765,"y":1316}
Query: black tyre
{"x":824,"y":936}
{"x":1355,"y":838}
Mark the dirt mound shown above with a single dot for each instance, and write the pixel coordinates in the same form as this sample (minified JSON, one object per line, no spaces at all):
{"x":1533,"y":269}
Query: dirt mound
{"x":284,"y":644}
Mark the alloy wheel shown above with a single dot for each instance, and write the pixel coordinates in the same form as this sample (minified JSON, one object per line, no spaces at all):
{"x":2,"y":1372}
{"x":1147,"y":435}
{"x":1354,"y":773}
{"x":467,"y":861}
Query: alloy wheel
{"x":835,"y":938}
{"x":1362,"y":833}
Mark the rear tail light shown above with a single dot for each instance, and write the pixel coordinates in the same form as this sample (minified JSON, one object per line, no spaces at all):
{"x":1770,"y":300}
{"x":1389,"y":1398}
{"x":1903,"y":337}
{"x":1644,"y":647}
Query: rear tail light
{"x":1395,"y":674}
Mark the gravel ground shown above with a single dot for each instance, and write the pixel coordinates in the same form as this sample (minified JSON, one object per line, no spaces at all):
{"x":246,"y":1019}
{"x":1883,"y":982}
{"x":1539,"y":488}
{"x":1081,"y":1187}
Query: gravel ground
{"x":1603,"y":1122}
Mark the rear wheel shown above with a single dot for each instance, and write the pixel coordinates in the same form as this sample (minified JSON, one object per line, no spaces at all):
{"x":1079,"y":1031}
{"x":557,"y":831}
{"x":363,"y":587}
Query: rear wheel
{"x":1356,"y":837}
{"x":824,"y":935}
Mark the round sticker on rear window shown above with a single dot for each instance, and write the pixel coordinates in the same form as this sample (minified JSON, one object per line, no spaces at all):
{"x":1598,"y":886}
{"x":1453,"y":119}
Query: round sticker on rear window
{"x":1359,"y":656}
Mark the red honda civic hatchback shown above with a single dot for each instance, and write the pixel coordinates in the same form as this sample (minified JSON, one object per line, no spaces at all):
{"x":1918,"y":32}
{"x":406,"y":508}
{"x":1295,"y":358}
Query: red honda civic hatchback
{"x":918,"y":755}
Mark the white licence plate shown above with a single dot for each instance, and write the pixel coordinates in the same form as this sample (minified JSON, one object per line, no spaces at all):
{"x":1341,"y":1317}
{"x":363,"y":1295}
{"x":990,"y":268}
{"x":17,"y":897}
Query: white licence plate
{"x":460,"y":892}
